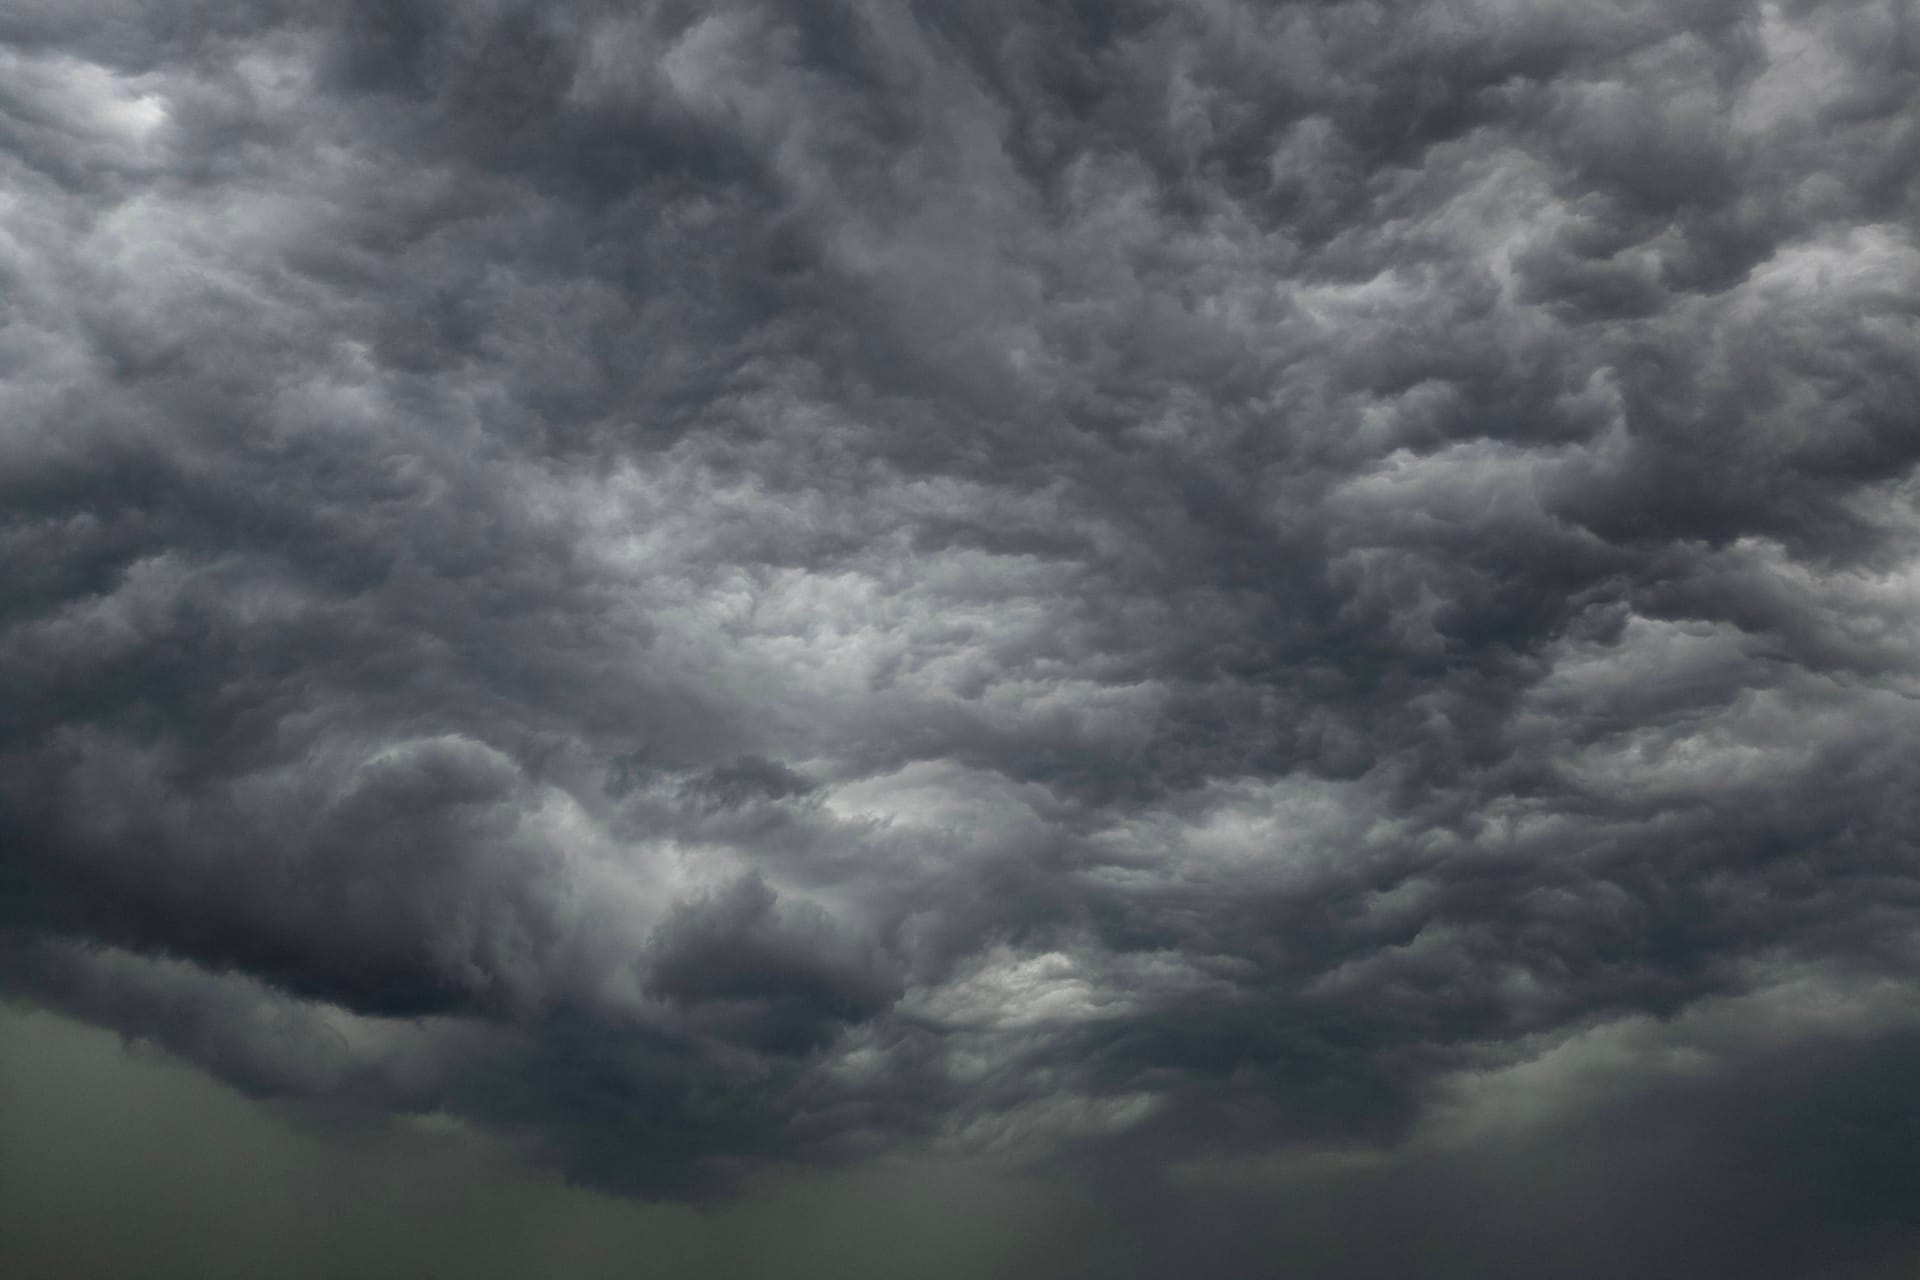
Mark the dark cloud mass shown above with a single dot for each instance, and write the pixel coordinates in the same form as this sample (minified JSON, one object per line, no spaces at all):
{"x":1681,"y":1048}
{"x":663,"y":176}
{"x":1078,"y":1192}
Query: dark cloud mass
{"x":1156,"y":585}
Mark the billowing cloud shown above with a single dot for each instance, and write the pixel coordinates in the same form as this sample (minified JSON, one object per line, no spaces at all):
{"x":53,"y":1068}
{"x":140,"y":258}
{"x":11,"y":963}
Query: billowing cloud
{"x":714,"y":586}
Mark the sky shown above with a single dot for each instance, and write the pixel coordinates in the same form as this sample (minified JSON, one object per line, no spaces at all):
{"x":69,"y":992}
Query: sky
{"x":1039,"y":638}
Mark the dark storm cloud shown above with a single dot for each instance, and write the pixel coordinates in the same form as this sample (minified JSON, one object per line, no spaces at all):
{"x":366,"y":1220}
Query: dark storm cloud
{"x":1703,"y":1146}
{"x":754,"y":582}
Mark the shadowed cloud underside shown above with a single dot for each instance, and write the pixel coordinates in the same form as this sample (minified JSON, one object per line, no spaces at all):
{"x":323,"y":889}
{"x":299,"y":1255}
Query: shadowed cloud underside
{"x":1148,"y":586}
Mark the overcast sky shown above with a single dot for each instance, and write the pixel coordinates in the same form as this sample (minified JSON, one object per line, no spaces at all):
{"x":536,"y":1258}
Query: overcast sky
{"x":1037,"y":637}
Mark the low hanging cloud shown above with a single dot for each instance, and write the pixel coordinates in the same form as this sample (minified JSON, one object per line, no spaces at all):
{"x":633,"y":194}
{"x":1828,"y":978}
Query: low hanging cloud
{"x":715,"y":586}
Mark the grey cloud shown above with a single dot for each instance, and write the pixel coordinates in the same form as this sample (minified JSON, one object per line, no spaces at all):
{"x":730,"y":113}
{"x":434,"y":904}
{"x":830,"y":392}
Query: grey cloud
{"x":1786,"y":1163}
{"x":776,"y":976}
{"x":1030,"y":577}
{"x":746,"y":780}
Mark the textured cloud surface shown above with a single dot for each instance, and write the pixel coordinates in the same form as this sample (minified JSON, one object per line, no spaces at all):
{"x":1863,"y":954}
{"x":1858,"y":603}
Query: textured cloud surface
{"x":706,"y":586}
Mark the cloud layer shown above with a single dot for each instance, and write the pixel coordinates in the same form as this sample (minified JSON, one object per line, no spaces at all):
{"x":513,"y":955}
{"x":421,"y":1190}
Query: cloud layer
{"x":724,"y":584}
